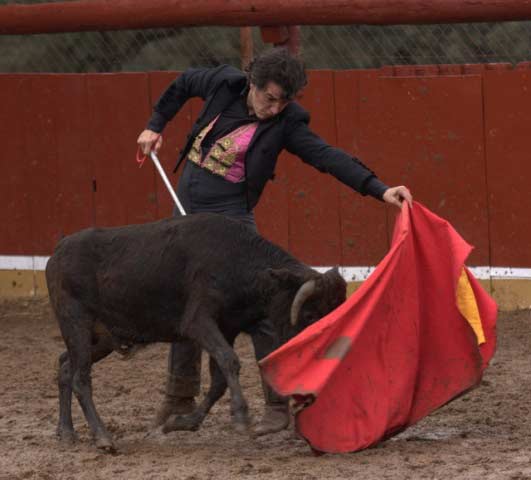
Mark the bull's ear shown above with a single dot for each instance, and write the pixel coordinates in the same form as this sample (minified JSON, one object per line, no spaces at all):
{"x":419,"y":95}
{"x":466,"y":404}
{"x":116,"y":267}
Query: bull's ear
{"x":284,"y":277}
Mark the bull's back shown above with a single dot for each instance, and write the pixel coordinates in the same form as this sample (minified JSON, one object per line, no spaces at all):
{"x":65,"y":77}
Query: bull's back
{"x":132,"y":270}
{"x":149,"y":269}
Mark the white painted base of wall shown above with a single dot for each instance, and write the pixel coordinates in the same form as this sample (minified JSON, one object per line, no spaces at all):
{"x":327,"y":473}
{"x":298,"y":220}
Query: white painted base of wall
{"x":350,"y":274}
{"x":22,"y":276}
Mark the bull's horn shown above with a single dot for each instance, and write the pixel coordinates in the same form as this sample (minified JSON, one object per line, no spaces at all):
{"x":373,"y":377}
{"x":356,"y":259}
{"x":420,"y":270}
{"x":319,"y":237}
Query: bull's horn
{"x":304,"y":293}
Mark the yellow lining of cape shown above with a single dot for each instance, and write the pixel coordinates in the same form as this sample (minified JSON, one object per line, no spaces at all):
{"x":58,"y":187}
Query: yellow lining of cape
{"x":466,"y":303}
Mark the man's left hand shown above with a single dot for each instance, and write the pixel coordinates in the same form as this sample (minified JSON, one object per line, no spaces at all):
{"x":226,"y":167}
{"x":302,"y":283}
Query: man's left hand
{"x":396,"y":195}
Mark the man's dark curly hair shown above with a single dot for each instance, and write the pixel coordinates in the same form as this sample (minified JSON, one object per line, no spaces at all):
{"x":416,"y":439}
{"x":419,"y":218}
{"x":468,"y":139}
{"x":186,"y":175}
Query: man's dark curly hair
{"x":279,"y":66}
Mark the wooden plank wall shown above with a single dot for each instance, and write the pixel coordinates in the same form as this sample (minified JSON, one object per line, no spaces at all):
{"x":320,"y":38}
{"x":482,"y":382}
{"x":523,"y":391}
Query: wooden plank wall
{"x":456,"y":135}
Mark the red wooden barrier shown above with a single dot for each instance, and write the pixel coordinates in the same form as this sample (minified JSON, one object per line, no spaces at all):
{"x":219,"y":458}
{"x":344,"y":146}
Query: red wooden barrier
{"x":40,"y":160}
{"x":272,"y":213}
{"x":427,"y":133}
{"x":459,"y":141}
{"x":58,"y":156}
{"x":75,"y":200}
{"x":363,"y":220}
{"x":118,"y":112}
{"x":507,"y":120}
{"x":15,"y":216}
{"x":313,"y":197}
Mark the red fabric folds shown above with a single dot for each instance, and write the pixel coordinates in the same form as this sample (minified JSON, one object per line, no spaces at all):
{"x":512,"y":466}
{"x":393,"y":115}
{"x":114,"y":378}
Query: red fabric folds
{"x":395,"y":351}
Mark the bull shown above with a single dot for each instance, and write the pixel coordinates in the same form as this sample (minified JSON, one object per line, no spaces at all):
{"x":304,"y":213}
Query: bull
{"x":203,"y":277}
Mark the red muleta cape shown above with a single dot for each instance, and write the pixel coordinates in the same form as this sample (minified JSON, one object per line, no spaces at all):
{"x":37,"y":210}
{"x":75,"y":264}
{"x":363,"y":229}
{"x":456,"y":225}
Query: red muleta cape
{"x":418,"y":332}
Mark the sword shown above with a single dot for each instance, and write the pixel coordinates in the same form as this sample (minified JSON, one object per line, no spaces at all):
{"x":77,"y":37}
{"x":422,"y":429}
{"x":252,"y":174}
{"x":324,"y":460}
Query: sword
{"x":158,"y":166}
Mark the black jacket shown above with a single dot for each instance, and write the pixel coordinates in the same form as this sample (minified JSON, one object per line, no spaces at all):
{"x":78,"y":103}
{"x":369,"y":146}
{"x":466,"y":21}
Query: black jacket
{"x":289,"y":130}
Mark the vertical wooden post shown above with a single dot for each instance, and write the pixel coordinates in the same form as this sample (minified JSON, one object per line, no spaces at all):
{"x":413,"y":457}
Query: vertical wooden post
{"x":286,"y":36}
{"x":246,"y":46}
{"x":294,"y":39}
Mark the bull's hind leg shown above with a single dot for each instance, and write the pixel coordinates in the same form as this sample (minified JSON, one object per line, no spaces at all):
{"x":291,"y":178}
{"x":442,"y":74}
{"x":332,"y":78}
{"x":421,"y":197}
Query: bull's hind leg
{"x":82,"y":385}
{"x":191,"y":422}
{"x":65,"y":429}
{"x":76,"y":327}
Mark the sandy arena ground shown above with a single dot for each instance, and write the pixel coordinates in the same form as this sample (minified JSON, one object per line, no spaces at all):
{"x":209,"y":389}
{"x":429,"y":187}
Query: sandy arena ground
{"x":484,"y":435}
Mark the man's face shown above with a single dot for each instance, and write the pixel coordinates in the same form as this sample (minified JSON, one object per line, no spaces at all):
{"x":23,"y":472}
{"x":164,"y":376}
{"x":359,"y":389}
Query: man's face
{"x":266,"y":102}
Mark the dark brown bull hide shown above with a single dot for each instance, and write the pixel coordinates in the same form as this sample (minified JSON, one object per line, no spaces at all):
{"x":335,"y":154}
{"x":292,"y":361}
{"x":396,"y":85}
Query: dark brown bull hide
{"x":204,"y":277}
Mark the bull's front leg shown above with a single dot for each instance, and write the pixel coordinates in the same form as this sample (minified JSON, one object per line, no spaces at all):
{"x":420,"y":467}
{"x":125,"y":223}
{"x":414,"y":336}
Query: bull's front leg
{"x":204,"y":330}
{"x":192,"y":421}
{"x":229,"y":365}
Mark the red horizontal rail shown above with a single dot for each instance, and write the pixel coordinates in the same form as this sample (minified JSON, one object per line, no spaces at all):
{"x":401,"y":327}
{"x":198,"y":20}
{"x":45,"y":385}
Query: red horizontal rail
{"x":86,"y":15}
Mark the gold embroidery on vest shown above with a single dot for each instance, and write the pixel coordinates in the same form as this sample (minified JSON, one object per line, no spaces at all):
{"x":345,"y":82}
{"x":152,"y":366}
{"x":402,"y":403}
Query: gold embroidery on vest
{"x":195,"y":152}
{"x":218,"y":160}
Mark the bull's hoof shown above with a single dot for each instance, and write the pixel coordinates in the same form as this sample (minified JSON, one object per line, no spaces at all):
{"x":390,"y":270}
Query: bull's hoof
{"x":66,"y":437}
{"x":241,"y":428}
{"x":241,"y":423}
{"x":106,"y":445}
{"x":187,"y":423}
{"x":173,"y":406}
{"x":275,"y":419}
{"x":155,"y":434}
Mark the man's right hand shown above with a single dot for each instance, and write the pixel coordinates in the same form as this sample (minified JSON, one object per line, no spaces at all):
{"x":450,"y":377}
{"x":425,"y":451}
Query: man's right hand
{"x":149,"y":140}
